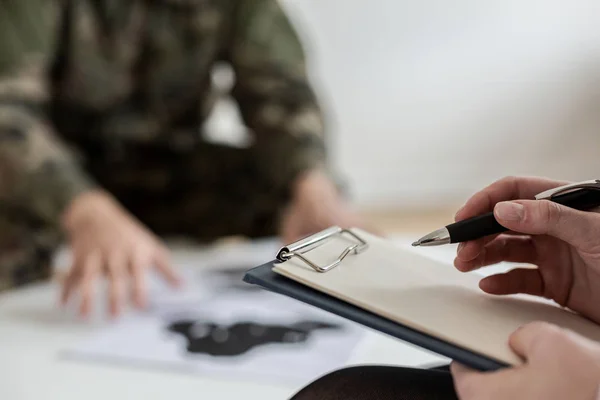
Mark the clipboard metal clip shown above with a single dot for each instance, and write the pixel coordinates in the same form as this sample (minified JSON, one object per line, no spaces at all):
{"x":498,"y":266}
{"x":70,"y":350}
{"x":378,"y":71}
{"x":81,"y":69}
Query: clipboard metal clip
{"x":297,"y":249}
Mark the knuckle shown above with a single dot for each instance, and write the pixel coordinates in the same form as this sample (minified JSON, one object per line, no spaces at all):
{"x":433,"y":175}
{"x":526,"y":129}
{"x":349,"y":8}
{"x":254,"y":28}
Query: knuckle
{"x":545,"y":328}
{"x":555,"y":334}
{"x":137,"y":251}
{"x":549,"y":336}
{"x":114,"y":259}
{"x":138,"y":262}
{"x":510,"y":179}
{"x":549,"y":213}
{"x":505,"y":185}
{"x":542,"y":328}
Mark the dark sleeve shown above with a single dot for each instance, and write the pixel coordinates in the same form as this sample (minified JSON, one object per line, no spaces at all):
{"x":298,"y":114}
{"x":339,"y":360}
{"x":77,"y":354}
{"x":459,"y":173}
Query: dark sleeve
{"x":38,"y":171}
{"x":273,"y":91}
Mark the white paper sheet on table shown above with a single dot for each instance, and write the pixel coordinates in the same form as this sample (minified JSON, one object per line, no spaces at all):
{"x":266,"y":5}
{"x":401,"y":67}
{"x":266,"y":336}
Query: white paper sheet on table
{"x":303,"y":342}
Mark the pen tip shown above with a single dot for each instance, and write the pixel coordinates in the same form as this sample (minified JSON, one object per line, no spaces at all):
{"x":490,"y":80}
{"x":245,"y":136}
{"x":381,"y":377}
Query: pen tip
{"x":417,"y":243}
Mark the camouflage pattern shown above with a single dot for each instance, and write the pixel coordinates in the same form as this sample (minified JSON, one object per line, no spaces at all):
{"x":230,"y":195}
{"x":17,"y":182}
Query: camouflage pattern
{"x":111,"y":94}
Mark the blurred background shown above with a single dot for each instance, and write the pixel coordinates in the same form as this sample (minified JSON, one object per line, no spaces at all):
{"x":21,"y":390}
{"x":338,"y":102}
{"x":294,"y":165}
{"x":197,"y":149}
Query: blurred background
{"x":427,"y":101}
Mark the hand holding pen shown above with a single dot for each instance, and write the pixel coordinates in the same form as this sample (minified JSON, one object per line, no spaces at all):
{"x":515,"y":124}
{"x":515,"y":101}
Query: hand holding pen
{"x":564,"y":243}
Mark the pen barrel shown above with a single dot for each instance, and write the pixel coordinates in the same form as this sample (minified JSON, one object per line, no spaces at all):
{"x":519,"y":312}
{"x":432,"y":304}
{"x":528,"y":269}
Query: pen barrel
{"x":584,"y":199}
{"x":486,"y":224}
{"x":474,"y":228}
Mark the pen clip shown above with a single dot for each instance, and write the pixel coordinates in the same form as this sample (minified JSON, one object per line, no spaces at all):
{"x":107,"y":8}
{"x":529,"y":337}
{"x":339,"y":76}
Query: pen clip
{"x":551,"y":193}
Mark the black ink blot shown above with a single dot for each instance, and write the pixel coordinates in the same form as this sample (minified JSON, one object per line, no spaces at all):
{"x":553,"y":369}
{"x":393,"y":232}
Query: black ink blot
{"x":235,"y":340}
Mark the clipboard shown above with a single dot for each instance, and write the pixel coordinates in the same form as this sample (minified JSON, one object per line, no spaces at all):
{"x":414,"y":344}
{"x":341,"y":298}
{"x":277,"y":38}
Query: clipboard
{"x":358,"y":276}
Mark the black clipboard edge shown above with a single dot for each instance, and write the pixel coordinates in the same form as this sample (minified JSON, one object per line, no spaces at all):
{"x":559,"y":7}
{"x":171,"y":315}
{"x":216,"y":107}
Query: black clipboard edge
{"x":265,"y":277}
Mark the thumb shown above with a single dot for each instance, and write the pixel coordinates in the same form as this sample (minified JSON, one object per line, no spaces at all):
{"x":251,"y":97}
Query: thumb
{"x":543,"y":217}
{"x":524,"y":339}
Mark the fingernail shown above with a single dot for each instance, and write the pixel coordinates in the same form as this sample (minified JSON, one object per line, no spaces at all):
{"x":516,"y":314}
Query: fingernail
{"x":509,"y":211}
{"x":460,"y":248}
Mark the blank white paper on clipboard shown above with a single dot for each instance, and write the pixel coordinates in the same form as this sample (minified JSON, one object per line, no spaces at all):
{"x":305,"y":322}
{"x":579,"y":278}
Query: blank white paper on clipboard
{"x":426,"y":295}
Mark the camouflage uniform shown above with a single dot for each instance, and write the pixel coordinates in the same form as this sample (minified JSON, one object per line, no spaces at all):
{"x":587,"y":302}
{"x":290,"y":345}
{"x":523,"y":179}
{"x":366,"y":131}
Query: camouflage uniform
{"x":115,"y":100}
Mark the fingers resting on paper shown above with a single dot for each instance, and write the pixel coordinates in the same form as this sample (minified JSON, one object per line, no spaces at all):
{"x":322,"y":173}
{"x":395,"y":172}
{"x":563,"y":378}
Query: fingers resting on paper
{"x":511,"y":248}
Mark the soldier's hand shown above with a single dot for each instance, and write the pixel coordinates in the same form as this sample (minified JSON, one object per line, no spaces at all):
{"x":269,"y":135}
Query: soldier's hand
{"x":106,"y":240}
{"x":316,"y":205}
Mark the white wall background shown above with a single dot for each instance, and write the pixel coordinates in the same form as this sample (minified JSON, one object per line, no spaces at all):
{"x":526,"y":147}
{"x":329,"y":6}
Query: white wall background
{"x":429,"y":100}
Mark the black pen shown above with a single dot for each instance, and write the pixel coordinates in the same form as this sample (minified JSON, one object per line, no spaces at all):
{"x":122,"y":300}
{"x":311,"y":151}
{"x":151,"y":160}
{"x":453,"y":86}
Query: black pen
{"x":580,"y":196}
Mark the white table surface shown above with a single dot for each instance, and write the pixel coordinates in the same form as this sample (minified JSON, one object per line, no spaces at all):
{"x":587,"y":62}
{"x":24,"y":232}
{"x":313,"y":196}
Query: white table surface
{"x":34,"y":331}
